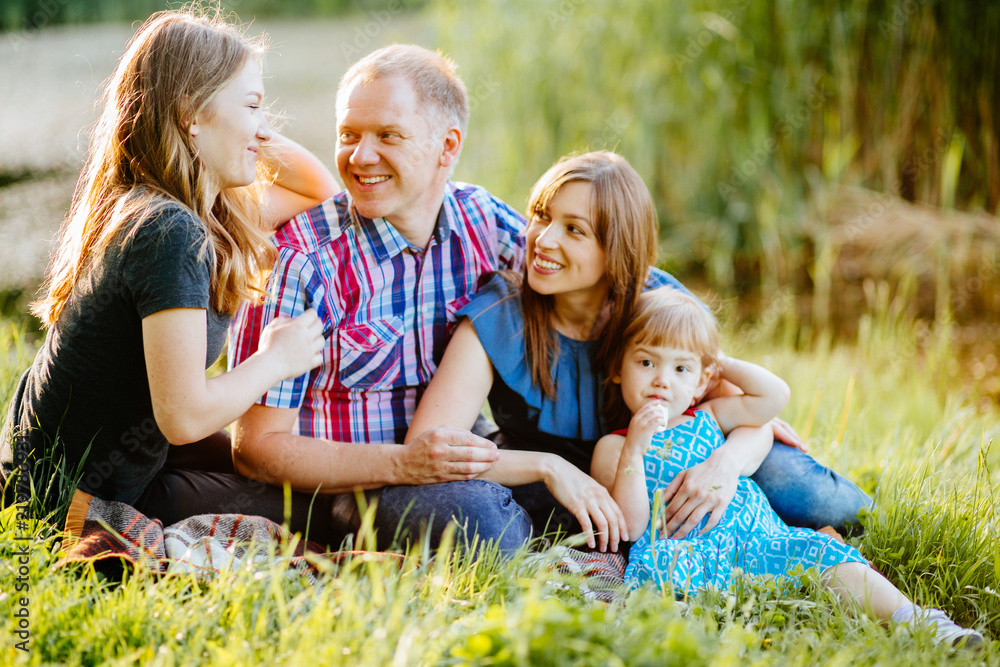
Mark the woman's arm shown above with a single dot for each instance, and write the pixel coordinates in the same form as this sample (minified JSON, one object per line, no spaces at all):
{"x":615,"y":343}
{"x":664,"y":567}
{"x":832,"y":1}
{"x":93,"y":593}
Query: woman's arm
{"x":301,"y":180}
{"x":456,"y":395}
{"x":189,"y":407}
{"x":457,"y":392}
{"x":591,"y":503}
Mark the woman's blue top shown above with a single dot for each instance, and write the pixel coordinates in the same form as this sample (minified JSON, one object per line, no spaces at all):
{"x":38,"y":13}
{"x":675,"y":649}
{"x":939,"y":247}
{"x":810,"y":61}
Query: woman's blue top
{"x":568,"y":425}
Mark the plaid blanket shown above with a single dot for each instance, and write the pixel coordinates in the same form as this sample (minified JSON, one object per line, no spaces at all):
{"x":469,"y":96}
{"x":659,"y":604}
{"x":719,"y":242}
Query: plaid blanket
{"x":117,"y":537}
{"x":595,"y":575}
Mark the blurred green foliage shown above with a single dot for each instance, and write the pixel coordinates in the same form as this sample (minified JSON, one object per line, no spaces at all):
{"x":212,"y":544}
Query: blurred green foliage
{"x":18,"y":15}
{"x":736,"y":112}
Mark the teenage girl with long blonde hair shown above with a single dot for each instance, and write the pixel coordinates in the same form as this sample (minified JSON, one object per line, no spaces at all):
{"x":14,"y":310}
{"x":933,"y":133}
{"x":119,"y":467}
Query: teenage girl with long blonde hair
{"x":166,"y":236}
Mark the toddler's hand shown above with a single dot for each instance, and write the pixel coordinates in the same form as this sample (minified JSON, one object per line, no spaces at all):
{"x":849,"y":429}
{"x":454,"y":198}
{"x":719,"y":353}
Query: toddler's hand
{"x":649,"y":419}
{"x":297,"y":344}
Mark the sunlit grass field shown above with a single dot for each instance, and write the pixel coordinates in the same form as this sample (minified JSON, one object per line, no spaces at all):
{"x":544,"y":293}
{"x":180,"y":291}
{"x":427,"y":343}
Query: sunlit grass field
{"x":877,"y":411}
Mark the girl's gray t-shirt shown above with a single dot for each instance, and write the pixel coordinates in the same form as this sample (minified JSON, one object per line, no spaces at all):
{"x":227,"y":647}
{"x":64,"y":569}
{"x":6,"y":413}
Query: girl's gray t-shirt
{"x":87,"y":387}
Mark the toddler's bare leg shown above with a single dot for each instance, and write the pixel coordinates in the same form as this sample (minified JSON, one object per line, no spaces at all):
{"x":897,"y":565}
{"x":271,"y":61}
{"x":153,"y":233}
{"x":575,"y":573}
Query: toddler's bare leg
{"x":864,"y":586}
{"x":879,"y":598}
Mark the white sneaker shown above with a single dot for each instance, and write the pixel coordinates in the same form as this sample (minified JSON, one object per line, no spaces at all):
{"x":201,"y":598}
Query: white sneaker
{"x":946,"y":631}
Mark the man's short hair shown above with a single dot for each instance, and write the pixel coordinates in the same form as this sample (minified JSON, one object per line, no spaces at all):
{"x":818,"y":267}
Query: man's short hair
{"x":432,"y":74}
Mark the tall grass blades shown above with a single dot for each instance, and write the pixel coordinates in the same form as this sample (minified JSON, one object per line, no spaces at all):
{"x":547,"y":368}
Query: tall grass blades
{"x":938,"y":541}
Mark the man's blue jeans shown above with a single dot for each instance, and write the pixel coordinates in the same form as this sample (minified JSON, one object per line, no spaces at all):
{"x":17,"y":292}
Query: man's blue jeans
{"x":802,"y":492}
{"x":483,"y":511}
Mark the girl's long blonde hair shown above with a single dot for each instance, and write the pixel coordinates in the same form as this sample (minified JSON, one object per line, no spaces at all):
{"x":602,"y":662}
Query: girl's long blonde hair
{"x":624,"y":221}
{"x":142,"y":159}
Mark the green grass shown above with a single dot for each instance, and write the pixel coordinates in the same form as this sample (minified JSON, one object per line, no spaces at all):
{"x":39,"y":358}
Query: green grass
{"x":881,"y":411}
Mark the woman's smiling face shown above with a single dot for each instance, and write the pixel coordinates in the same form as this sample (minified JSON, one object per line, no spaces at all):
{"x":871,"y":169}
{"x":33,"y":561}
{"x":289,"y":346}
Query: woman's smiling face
{"x":229,"y":131}
{"x":564,"y":254}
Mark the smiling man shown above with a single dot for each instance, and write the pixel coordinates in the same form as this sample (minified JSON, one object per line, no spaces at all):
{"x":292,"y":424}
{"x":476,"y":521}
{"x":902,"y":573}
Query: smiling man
{"x":386,"y":264}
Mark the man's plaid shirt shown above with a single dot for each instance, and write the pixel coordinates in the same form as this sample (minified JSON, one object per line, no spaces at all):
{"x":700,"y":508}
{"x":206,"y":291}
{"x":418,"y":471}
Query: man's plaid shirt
{"x":388,"y":308}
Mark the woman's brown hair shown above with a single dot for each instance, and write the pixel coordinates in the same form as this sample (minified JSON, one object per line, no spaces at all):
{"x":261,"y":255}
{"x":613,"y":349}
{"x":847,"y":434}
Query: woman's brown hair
{"x":624,"y":220}
{"x":142,"y":159}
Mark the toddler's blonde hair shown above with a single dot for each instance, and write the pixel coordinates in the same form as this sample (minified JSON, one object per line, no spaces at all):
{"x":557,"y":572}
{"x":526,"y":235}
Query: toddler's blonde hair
{"x":664,"y":317}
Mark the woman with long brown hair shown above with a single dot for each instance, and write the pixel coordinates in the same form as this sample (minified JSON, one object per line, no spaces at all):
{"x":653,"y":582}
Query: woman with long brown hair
{"x":166,"y":236}
{"x":533,"y":345}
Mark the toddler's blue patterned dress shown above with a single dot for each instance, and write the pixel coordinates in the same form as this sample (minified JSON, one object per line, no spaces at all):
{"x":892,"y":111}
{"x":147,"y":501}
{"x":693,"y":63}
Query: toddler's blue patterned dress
{"x":750,"y":535}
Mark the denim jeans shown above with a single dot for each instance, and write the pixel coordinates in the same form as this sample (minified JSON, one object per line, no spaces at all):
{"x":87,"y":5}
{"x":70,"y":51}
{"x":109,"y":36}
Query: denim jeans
{"x":802,"y":492}
{"x":483,"y":510}
{"x":805,"y":493}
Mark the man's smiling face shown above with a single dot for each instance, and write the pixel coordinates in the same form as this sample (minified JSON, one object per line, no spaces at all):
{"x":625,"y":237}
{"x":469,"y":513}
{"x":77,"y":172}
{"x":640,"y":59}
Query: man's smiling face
{"x":390,"y":151}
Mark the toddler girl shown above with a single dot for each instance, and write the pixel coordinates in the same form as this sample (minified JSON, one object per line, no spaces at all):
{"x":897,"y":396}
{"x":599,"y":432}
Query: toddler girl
{"x":670,"y":353}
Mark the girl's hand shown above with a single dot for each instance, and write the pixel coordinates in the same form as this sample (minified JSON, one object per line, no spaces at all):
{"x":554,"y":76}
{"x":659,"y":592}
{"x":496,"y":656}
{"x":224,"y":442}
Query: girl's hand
{"x":296,"y":344}
{"x":649,"y":419}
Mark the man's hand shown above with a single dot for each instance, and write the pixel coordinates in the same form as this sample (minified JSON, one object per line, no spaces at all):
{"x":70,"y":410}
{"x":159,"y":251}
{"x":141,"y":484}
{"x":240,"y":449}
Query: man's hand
{"x":706,"y":488}
{"x":786,"y":434}
{"x":589,"y":502}
{"x":445,"y":454}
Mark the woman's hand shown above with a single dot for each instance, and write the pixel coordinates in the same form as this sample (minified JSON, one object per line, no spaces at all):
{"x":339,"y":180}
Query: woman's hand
{"x":589,"y":502}
{"x":784,"y":433}
{"x":296,"y":345}
{"x":706,"y":488}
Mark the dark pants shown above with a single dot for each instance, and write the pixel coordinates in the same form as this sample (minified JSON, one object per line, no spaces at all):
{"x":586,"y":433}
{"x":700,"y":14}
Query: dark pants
{"x":201,"y":478}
